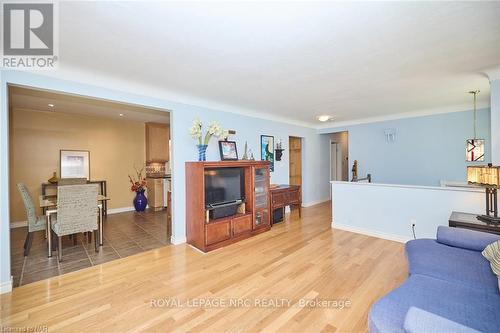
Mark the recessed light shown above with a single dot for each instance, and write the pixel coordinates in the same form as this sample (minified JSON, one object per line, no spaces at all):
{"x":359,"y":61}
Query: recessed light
{"x":51,"y":105}
{"x":324,"y":118}
{"x":121,"y":114}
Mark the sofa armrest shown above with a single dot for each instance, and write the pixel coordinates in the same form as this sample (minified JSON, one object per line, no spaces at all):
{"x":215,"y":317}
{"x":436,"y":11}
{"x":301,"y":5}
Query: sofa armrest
{"x":464,"y":238}
{"x":418,"y":321}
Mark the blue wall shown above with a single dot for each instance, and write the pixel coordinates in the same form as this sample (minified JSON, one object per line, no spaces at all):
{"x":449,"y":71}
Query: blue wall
{"x":495,"y":121}
{"x":426,"y":150}
{"x":315,"y":163}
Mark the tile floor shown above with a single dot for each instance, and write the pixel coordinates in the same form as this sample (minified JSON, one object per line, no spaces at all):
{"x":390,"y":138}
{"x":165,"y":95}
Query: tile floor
{"x":125,"y":234}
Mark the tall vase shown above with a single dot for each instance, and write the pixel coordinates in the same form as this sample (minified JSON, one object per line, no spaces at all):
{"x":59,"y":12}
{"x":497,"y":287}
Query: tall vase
{"x":140,"y":201}
{"x":202,"y":152}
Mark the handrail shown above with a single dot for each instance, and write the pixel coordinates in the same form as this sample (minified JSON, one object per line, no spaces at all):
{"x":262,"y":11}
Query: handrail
{"x":368,"y":178}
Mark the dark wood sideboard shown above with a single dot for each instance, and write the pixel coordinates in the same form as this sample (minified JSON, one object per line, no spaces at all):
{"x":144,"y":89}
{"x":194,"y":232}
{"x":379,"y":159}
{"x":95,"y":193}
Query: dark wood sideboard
{"x":253,"y":217}
{"x":286,"y":195}
{"x":470,"y":221}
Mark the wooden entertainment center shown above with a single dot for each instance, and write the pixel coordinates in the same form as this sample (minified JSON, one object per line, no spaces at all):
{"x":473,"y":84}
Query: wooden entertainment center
{"x":253,"y":216}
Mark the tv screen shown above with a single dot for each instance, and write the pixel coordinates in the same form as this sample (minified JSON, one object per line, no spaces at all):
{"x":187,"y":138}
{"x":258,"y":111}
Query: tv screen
{"x":223,"y":185}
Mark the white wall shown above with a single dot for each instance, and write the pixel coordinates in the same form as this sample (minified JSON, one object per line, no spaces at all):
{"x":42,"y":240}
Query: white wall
{"x":315,"y":167}
{"x":386,"y":211}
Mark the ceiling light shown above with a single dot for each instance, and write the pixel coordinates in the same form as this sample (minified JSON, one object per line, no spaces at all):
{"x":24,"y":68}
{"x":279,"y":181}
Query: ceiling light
{"x":51,"y":105}
{"x":324,"y":118}
{"x":121,"y":115}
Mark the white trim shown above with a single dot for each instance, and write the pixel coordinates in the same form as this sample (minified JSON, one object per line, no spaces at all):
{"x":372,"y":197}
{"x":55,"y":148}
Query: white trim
{"x":18,"y":224}
{"x":86,"y":77}
{"x":325,"y":129}
{"x":372,"y":233}
{"x":177,"y":241}
{"x":316,"y":202}
{"x":435,"y":188}
{"x":120,"y":210}
{"x":6,"y":287}
{"x":74,"y":74}
{"x":493,"y":73}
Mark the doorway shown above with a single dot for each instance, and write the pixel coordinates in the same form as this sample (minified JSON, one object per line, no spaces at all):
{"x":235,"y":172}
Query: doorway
{"x":114,"y":136}
{"x":295,"y":162}
{"x":339,"y":156}
{"x":335,"y":161}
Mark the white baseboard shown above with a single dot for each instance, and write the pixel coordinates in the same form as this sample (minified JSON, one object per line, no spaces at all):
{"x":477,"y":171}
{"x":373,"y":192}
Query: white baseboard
{"x":120,"y":210}
{"x":6,"y":287}
{"x":373,"y":233}
{"x":177,"y":241}
{"x":313,"y":203}
{"x":18,"y":224}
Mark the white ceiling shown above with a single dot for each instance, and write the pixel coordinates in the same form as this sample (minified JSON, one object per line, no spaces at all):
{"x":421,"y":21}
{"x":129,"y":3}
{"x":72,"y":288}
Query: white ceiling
{"x":294,"y":60}
{"x":39,"y":100}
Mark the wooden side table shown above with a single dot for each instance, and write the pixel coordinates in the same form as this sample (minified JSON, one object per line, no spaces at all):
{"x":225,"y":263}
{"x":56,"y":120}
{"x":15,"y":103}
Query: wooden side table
{"x":286,"y":195}
{"x":469,"y":221}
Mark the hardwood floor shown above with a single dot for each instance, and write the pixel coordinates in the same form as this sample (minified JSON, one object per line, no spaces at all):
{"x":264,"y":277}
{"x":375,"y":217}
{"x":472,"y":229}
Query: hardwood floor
{"x":298,"y":259}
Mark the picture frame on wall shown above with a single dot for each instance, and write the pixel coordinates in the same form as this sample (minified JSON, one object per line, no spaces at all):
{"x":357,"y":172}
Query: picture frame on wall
{"x":228,"y":151}
{"x":267,"y":150}
{"x":74,"y":163}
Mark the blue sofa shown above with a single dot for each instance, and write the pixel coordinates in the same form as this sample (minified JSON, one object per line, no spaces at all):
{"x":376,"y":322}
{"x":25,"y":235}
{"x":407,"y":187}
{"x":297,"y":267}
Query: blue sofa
{"x":450,"y":288}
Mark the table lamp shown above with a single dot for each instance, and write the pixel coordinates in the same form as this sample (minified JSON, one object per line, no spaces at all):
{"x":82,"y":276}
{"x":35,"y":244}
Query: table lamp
{"x":487,"y":176}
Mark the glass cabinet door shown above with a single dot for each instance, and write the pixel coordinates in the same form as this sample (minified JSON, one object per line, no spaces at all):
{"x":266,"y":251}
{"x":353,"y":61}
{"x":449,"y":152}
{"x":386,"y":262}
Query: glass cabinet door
{"x":261,"y":194}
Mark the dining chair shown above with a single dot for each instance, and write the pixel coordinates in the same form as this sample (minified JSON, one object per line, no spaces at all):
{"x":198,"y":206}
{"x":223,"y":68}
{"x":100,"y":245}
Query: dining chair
{"x":72,"y":181}
{"x":35,"y":223}
{"x":77,"y":211}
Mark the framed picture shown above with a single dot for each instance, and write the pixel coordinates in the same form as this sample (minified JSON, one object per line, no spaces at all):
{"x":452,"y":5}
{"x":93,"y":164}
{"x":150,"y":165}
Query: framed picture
{"x":228,"y":151}
{"x":75,"y":164}
{"x":267,"y":150}
{"x":474,"y":152}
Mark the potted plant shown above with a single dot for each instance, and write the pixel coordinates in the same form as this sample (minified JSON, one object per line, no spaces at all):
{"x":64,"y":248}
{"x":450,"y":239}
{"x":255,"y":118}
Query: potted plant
{"x":196,"y":132}
{"x":139,"y":186}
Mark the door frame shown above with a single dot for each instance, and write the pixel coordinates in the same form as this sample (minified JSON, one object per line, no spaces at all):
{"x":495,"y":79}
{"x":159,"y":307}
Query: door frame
{"x":338,"y":161}
{"x":301,"y":139}
{"x":37,"y":82}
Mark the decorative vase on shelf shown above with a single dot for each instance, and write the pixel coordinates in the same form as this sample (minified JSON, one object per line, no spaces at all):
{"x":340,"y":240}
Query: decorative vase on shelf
{"x":54,"y":178}
{"x":140,"y":201}
{"x":202,"y":152}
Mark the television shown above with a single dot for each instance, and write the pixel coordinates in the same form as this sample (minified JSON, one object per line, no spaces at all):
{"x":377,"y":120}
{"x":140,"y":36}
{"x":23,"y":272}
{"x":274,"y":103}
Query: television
{"x":224,"y":186}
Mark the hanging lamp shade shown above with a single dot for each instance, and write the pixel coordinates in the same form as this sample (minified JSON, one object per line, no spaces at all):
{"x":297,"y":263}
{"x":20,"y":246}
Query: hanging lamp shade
{"x":474,"y":148}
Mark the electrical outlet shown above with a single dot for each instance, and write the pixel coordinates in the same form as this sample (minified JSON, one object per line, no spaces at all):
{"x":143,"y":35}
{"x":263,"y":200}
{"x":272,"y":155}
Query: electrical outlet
{"x":413,"y":224}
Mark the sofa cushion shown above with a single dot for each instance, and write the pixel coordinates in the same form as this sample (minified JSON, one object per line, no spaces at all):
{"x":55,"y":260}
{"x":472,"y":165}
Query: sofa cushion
{"x":454,"y":264}
{"x":492,"y":253}
{"x":418,"y":321}
{"x":465,"y":238}
{"x":469,"y":307}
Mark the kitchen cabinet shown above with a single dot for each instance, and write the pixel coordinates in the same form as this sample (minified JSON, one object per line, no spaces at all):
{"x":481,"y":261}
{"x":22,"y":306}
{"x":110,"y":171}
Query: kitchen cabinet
{"x":155,"y":193}
{"x":157,"y":137}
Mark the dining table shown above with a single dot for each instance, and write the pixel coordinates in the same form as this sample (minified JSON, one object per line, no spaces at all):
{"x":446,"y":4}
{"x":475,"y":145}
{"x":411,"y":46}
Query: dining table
{"x":49,"y":205}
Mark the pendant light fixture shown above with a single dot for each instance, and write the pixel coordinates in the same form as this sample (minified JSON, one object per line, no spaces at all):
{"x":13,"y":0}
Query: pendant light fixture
{"x":474,"y":149}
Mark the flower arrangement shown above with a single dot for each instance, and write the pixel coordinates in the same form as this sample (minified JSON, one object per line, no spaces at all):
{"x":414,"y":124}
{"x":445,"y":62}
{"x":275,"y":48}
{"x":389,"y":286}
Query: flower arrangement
{"x":214,"y":129}
{"x":138,"y":182}
{"x":196,"y":132}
